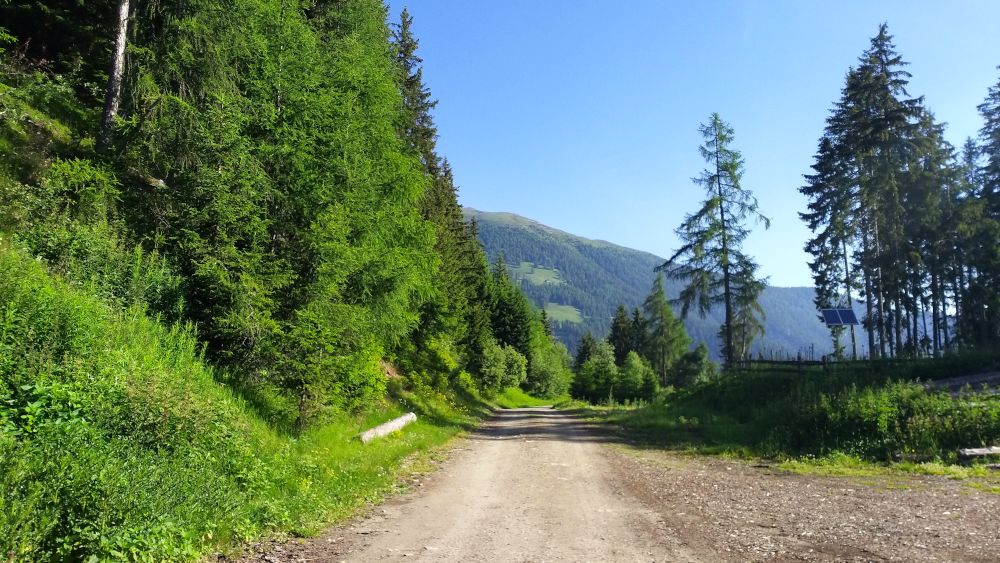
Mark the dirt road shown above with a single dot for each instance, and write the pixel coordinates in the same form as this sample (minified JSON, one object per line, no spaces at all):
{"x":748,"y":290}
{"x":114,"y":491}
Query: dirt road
{"x":542,"y":485}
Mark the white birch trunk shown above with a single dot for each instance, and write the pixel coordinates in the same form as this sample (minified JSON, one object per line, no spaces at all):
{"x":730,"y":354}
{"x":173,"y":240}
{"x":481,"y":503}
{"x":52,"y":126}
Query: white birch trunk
{"x":113,"y":96}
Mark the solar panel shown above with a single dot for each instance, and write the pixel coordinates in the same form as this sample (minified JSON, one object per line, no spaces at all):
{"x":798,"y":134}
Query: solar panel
{"x":848,"y":317}
{"x":839,"y":317}
{"x":830,"y":317}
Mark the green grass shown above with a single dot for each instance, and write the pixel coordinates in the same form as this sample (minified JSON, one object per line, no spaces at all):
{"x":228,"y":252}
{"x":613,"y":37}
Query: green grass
{"x":515,"y":398}
{"x":839,"y":421}
{"x":536,"y":275}
{"x":563,"y":313}
{"x":118,"y":442}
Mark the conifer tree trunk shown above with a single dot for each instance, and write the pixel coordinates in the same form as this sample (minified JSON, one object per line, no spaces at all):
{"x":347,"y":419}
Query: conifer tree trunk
{"x":112,"y":97}
{"x":898,"y":323}
{"x":936,"y":301}
{"x":726,"y":278}
{"x":850,"y":301}
{"x":869,"y":306}
{"x":944,"y":315}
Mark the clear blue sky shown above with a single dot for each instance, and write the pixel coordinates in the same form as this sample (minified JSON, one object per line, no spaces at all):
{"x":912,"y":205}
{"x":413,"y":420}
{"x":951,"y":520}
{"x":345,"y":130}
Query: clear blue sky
{"x":583,"y":114}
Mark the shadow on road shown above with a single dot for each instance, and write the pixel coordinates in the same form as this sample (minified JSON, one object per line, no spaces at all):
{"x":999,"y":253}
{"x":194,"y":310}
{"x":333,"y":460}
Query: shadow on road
{"x":542,"y":423}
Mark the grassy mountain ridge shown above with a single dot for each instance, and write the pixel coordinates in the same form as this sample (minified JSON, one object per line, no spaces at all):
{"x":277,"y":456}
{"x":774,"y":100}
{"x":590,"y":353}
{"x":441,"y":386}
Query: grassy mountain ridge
{"x":597,"y":275}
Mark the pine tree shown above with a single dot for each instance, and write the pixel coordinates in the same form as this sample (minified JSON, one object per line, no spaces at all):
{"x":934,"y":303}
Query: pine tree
{"x":892,"y":214}
{"x":512,"y":313}
{"x":621,"y":335}
{"x":983,"y":301}
{"x":710,"y":259}
{"x":666,"y":339}
{"x":748,"y":315}
{"x":830,"y":206}
{"x":876,"y":124}
{"x":449,"y":311}
{"x":583,"y":350}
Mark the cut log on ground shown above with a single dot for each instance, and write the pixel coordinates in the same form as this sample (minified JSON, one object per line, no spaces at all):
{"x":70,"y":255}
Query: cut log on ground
{"x":387,"y":428}
{"x":970,"y":453}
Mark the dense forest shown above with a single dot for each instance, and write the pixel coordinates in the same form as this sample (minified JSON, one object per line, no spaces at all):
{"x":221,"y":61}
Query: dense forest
{"x":257,"y":185}
{"x":904,"y":222}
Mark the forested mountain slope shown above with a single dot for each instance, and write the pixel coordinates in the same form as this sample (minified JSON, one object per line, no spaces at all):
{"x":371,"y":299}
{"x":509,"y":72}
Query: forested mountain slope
{"x":566,"y":274}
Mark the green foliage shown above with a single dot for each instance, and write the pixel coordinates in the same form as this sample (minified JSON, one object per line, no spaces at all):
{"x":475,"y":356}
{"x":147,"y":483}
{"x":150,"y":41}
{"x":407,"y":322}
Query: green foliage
{"x":503,"y":366}
{"x":117,"y":442}
{"x":694,"y":367}
{"x":598,"y":276}
{"x":599,"y":379}
{"x":596,"y":377}
{"x":876,"y":412}
{"x":637,"y":379}
{"x":512,"y":313}
{"x":710,"y":262}
{"x":515,"y":398}
{"x":622,"y":336}
{"x":549,"y":373}
{"x":263,"y":190}
{"x":664,"y":339}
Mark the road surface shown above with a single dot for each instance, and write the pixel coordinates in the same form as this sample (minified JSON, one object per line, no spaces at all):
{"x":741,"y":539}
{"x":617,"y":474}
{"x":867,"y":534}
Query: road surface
{"x":543,"y":485}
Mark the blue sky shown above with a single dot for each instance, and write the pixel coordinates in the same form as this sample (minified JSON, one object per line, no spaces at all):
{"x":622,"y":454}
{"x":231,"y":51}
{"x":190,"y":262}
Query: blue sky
{"x":583,"y":114}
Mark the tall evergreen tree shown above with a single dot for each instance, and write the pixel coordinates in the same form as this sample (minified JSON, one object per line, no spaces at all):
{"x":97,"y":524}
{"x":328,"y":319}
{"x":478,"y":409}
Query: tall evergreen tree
{"x":887,"y":206}
{"x":621,"y":335}
{"x":448,"y":312}
{"x":512,"y":314}
{"x":710,"y":261}
{"x":583,"y":350}
{"x":666,"y":339}
{"x":829,"y":213}
{"x":984,"y":291}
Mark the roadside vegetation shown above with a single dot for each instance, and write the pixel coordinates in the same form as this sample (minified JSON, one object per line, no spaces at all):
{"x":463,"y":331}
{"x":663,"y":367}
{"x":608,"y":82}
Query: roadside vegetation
{"x":857,"y":414}
{"x":904,"y":224}
{"x":222,"y":259}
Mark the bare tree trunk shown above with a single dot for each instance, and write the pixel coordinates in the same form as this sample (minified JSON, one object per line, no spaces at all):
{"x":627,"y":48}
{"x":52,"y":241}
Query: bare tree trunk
{"x":113,"y":96}
{"x":938,"y":301}
{"x":869,"y":306}
{"x":944,"y":314}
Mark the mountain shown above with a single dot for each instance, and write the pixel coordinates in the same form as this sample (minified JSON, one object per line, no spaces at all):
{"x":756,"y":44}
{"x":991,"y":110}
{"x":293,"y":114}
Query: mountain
{"x":580,"y":282}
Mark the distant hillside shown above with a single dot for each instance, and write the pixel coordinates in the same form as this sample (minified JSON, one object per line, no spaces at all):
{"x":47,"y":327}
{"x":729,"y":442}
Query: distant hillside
{"x":580,"y":281}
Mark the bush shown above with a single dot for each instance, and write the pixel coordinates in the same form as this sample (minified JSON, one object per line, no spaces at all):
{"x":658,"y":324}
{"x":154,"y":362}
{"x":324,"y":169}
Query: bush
{"x":548,"y":373}
{"x":502,"y":367}
{"x":866,"y":412}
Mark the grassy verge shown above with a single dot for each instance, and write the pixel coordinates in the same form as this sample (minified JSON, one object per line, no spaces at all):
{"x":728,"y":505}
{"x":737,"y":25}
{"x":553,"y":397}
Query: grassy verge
{"x":117,"y":442}
{"x":515,"y":398}
{"x":863,"y":421}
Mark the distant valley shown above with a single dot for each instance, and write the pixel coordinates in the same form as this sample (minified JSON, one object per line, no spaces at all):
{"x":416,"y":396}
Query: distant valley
{"x":580,"y":282}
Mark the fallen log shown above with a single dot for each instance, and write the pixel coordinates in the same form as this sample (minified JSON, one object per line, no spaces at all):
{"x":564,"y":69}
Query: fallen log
{"x":387,"y":427}
{"x":969,"y":453}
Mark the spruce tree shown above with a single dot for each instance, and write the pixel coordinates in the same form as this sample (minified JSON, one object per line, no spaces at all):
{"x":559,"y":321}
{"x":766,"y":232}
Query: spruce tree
{"x":621,"y":335}
{"x":829,"y":217}
{"x":583,"y":350}
{"x":666,"y":339}
{"x":984,"y":291}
